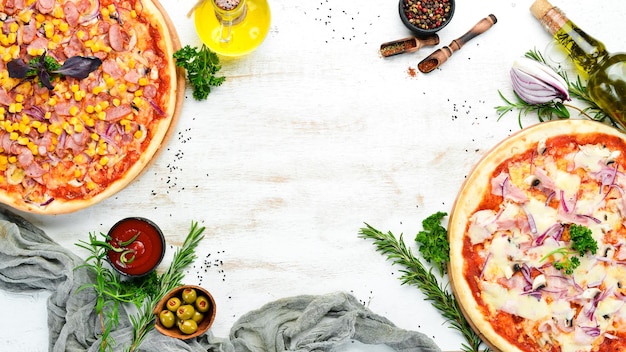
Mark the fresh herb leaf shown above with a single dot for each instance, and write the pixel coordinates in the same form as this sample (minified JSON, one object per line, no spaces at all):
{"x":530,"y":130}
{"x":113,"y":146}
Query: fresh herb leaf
{"x":578,"y":90}
{"x":545,"y":112}
{"x":143,"y":321}
{"x":567,"y":265}
{"x":46,"y":68}
{"x":557,"y":110}
{"x":144,"y":292}
{"x":433,"y":242}
{"x":582,"y":241}
{"x":78,"y":67}
{"x":415,"y":273}
{"x":108,"y":289}
{"x":18,"y":68}
{"x":146,"y":286}
{"x":49,"y":63}
{"x":201,"y":64}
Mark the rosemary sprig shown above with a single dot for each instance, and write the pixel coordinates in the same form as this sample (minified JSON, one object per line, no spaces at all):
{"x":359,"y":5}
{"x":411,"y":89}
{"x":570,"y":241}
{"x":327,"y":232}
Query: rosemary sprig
{"x":143,"y":322}
{"x":415,"y":273}
{"x":110,"y":291}
{"x":578,"y":90}
{"x":144,"y":292}
{"x":545,"y":112}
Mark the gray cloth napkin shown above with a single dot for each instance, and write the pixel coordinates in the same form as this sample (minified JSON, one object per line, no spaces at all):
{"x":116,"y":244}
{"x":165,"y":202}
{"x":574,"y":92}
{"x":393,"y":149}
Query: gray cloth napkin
{"x":31,"y":261}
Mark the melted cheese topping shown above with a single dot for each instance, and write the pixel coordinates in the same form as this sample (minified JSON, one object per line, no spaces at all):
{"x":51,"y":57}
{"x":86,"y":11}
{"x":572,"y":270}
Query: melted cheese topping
{"x":519,"y":239}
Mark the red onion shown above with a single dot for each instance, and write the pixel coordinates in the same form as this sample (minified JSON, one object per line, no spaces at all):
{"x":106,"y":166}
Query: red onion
{"x":156,"y":107}
{"x":531,"y":221}
{"x":563,"y":203}
{"x":537,"y":83}
{"x":95,"y":11}
{"x":592,"y":331}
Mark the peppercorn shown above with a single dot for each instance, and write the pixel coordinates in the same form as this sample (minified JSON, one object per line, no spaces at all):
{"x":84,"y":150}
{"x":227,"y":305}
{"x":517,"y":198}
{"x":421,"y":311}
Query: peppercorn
{"x":427,"y":14}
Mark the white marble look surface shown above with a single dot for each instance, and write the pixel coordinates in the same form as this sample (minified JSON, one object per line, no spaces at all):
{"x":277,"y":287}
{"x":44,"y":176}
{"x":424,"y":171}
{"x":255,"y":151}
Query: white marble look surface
{"x":310,"y":136}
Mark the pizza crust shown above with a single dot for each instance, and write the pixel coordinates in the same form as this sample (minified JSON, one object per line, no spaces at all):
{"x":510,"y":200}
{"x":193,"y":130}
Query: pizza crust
{"x":160,"y":135}
{"x":164,"y":131}
{"x":471,"y":194}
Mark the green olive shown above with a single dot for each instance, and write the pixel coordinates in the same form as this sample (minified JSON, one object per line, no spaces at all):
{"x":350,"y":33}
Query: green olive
{"x":173,"y":304}
{"x":188,"y":327}
{"x":202,"y":304}
{"x":167,"y":318}
{"x":189,"y":295}
{"x":185,"y":311}
{"x":197,"y":317}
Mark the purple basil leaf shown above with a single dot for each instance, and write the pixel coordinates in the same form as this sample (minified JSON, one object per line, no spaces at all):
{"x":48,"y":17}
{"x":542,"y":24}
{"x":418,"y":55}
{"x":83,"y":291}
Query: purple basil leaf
{"x":44,"y":78}
{"x":18,"y":68}
{"x":79,"y":67}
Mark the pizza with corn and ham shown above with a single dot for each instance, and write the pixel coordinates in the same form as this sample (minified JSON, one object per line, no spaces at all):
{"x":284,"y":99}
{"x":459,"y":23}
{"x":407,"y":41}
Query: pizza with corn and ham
{"x":509,"y":234}
{"x":74,"y":143}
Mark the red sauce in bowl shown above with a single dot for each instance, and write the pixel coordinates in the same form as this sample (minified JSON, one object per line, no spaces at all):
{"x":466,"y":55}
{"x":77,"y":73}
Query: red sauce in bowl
{"x":147,"y":248}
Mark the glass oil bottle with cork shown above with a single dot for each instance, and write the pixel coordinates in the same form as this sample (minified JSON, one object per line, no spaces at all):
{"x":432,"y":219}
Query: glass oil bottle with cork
{"x":605,"y":72}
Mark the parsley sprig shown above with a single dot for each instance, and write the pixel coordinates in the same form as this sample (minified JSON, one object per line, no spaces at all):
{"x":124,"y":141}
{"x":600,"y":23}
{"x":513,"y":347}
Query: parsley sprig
{"x":201,"y":64}
{"x":415,"y":273}
{"x":433,"y":242}
{"x":581,"y":242}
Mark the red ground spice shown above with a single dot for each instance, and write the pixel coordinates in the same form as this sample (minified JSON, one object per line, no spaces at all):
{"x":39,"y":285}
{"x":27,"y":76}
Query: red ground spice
{"x":411,"y":71}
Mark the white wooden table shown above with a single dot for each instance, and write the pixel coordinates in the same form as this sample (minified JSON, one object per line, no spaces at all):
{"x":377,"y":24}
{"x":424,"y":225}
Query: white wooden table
{"x":310,"y":136}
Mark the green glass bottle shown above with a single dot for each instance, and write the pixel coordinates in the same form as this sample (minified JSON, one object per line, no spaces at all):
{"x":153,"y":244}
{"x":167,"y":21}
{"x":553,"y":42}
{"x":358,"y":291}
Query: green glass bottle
{"x":605,"y":72}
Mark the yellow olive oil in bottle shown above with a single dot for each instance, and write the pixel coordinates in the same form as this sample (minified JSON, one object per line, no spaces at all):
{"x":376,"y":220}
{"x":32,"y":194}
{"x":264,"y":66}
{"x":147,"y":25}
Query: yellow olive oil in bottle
{"x":232,"y":27}
{"x":606,"y":73}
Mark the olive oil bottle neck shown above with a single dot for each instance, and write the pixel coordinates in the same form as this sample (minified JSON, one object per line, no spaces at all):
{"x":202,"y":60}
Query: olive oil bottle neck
{"x":586,"y":51}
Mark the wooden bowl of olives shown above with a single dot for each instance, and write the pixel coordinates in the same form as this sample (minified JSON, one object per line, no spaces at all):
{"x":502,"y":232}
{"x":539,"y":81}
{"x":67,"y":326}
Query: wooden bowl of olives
{"x":185,"y":312}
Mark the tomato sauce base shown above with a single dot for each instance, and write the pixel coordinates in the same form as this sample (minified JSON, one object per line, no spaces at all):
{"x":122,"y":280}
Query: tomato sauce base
{"x":148,"y":247}
{"x":505,"y":324}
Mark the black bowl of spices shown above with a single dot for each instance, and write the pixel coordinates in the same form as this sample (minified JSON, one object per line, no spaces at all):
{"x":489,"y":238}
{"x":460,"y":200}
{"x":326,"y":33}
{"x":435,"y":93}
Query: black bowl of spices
{"x":426,"y":17}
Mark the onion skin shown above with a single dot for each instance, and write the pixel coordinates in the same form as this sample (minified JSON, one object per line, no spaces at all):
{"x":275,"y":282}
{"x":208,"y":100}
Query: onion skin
{"x":536,"y":83}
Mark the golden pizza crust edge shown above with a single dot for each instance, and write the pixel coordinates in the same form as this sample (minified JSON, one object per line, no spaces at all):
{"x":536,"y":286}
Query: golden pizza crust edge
{"x":160,"y":136}
{"x":471,"y":194}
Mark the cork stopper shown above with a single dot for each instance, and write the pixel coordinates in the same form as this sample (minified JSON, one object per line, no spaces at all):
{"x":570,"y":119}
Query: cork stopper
{"x":551,"y":17}
{"x":540,"y":8}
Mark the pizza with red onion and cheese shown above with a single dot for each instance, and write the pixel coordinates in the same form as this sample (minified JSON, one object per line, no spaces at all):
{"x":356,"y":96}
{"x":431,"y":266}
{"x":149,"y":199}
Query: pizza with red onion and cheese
{"x":88,"y":91}
{"x":513,"y":236}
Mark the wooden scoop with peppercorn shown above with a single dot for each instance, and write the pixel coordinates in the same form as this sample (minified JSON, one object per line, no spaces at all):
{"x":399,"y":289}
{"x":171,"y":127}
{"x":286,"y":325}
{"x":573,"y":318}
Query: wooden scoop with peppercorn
{"x":439,"y":56}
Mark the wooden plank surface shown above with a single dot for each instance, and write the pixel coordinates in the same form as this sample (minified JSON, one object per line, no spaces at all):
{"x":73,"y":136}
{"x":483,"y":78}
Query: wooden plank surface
{"x":312,"y":135}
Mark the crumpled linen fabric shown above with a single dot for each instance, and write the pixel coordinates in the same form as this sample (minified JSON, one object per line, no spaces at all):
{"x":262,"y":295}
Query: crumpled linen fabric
{"x":31,"y":261}
{"x":309,"y":323}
